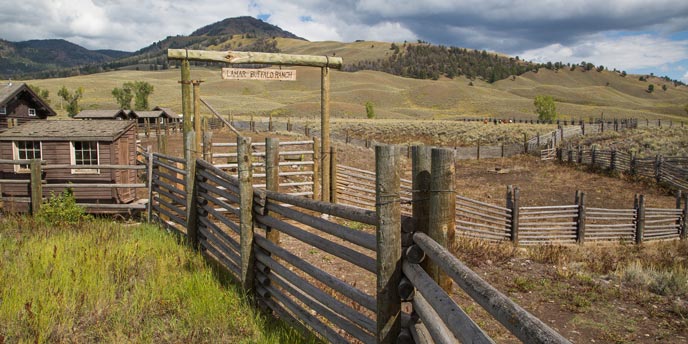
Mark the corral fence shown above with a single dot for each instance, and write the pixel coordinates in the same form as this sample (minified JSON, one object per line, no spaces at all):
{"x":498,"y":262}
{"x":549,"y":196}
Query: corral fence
{"x":539,"y":225}
{"x":670,"y":171}
{"x":293,"y":252}
{"x":297,"y":162}
{"x":26,"y":191}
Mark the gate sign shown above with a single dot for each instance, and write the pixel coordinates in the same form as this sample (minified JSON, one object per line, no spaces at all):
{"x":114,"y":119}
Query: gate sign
{"x":259,"y":74}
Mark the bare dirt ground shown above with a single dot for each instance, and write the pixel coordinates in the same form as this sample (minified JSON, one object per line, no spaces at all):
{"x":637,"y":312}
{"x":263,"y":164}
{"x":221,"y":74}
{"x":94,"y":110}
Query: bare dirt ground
{"x":579,"y":291}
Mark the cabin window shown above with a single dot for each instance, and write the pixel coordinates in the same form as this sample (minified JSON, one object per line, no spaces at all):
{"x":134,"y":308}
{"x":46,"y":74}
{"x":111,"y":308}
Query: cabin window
{"x":32,"y":112}
{"x":85,"y":153}
{"x":3,"y":110}
{"x":26,"y":150}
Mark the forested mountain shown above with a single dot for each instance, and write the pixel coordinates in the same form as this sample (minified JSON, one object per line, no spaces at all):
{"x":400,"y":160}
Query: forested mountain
{"x":59,"y":58}
{"x":35,"y":56}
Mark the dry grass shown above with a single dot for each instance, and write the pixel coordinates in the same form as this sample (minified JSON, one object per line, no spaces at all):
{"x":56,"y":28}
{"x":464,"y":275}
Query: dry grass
{"x":578,"y":94}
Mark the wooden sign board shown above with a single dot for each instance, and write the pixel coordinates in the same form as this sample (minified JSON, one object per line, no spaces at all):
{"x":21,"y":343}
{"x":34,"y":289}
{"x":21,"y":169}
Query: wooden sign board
{"x":259,"y":74}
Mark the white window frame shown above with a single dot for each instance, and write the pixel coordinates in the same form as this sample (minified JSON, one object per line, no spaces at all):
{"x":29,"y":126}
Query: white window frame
{"x":22,"y":168}
{"x":3,"y":110}
{"x":32,"y":110}
{"x":72,"y":156}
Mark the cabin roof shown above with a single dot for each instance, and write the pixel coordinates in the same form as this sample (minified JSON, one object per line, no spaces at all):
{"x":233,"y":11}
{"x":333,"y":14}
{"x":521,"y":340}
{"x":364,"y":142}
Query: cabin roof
{"x":167,"y":111}
{"x":67,"y":130}
{"x":100,"y":113}
{"x":10,"y":91}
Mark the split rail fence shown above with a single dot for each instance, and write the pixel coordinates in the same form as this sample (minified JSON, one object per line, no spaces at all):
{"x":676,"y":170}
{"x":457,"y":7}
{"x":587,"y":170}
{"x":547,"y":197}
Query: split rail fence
{"x":267,"y":240}
{"x":671,"y":171}
{"x":538,"y":225}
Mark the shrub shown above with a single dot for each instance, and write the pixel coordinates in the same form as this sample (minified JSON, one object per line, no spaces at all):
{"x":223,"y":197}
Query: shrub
{"x":545,"y":108}
{"x":370,"y":111}
{"x":61,"y":209}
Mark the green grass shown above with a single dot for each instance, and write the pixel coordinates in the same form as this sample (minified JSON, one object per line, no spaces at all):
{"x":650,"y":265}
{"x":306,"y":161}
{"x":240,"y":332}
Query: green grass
{"x":100,"y":281}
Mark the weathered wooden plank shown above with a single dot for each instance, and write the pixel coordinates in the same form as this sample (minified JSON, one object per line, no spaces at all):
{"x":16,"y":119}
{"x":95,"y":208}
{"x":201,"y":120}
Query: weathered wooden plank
{"x":320,"y":275}
{"x":357,"y":237}
{"x":285,"y":275}
{"x":345,"y":212}
{"x":518,"y":321}
{"x":245,"y":57}
{"x":328,"y":246}
{"x":445,"y":309}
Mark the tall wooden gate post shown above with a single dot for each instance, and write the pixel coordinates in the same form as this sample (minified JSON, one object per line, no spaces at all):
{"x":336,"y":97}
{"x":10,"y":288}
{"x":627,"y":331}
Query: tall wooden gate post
{"x":333,"y":174}
{"x":325,"y":132}
{"x":272,"y":178}
{"x":36,"y":186}
{"x":388,"y":242}
{"x":316,"y":169}
{"x":246,"y":214}
{"x":442,"y":224}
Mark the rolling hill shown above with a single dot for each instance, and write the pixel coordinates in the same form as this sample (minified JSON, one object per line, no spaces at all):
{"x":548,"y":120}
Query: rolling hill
{"x":580,"y":91}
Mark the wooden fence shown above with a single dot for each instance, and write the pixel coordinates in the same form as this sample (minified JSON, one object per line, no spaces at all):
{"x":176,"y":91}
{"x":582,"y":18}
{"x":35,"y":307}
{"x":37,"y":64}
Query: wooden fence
{"x":39,"y":187}
{"x":538,"y":225}
{"x":268,"y":240}
{"x":297,"y":163}
{"x":671,"y":171}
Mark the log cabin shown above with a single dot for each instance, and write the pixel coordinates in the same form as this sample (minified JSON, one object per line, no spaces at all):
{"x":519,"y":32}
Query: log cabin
{"x":19,"y":104}
{"x":81,"y":144}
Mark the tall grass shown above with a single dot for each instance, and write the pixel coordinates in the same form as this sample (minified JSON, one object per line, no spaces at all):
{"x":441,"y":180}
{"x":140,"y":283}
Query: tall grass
{"x":98,"y":281}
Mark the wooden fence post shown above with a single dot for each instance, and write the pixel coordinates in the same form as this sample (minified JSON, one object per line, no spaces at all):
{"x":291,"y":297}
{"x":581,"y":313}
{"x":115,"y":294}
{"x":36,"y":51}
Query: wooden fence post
{"x":388,"y":242}
{"x":593,"y":156}
{"x":442,"y":224}
{"x":640,"y":220}
{"x":316,"y":169}
{"x":477,"y":152}
{"x":149,"y":179}
{"x":421,"y":158}
{"x":270,"y":124}
{"x":612,"y":160}
{"x":333,"y":174}
{"x":246,"y":214}
{"x":162,"y":144}
{"x":272,"y":178}
{"x":525,"y":143}
{"x":36,"y":186}
{"x":580,"y":233}
{"x":658,"y":168}
{"x":634,"y":164}
{"x":191,"y":194}
{"x":208,"y":146}
{"x":514,"y":215}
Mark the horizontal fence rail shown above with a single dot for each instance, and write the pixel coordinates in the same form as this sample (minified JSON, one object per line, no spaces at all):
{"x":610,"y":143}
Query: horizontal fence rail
{"x":26,"y":184}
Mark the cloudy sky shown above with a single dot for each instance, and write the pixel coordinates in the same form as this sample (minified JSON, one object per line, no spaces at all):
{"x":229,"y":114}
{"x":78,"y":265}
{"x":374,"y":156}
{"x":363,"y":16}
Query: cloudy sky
{"x":639,"y":36}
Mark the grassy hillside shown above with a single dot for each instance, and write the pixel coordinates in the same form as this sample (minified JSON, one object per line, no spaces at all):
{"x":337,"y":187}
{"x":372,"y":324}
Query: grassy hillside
{"x":100,"y":281}
{"x":578,"y":94}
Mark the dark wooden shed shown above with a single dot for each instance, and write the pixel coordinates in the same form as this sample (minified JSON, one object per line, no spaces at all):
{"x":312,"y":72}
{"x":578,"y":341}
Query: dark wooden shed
{"x":20,"y":104}
{"x":84,"y":146}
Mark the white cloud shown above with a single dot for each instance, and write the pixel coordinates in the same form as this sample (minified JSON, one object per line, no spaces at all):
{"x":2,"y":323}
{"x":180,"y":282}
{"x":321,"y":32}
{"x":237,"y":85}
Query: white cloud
{"x":626,"y":52}
{"x":685,"y":78}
